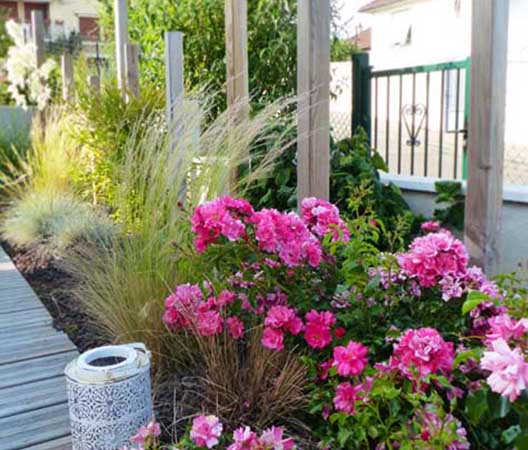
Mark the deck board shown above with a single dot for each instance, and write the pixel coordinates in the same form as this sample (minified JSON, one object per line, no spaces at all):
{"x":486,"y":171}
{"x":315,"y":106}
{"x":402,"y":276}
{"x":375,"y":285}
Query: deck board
{"x":33,"y":406}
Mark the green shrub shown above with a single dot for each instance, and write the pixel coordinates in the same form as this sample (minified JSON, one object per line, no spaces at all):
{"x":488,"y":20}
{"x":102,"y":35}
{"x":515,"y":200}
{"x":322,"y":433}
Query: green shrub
{"x":54,"y":222}
{"x":271,"y":38}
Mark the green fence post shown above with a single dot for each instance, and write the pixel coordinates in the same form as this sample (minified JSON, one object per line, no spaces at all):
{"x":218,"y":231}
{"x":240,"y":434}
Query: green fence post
{"x":467,"y":112}
{"x":361,"y":92}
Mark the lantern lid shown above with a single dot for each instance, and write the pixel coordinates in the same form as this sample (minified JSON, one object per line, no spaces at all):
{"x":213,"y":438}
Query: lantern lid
{"x":109,"y":363}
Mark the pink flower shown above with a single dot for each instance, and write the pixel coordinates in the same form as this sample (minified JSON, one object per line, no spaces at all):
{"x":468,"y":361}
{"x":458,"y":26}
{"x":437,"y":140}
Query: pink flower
{"x":225,"y":298}
{"x":433,"y":257}
{"x":206,"y":431}
{"x":152,"y":429}
{"x":273,"y":339}
{"x":339,"y":332}
{"x":430,"y":226}
{"x":223,"y":216}
{"x":287,"y":236}
{"x":422,"y":352}
{"x":209,"y":323}
{"x":180,"y":306}
{"x":322,"y":218}
{"x":504,"y":327}
{"x":318,"y":328}
{"x":245,"y":439}
{"x":509,"y":371}
{"x":350,"y":360}
{"x":283,"y":317}
{"x":324,"y":368}
{"x":272,"y":439}
{"x":235,"y":327}
{"x":346,"y":397}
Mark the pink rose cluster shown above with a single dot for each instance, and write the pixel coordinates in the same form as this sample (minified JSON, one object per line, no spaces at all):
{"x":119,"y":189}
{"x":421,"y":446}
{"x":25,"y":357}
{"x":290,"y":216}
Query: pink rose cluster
{"x":279,"y":320}
{"x":187,"y":308}
{"x":322,"y":218}
{"x":350,"y":360}
{"x":433,"y":257}
{"x":421,"y":352}
{"x":223,"y":216}
{"x":348,"y":395}
{"x":507,"y":366}
{"x":293,"y":238}
{"x":287,"y":236}
{"x":439,"y":259}
{"x":206,"y":432}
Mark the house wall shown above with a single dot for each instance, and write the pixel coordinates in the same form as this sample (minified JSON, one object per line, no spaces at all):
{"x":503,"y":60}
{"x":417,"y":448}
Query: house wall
{"x":64,"y":15}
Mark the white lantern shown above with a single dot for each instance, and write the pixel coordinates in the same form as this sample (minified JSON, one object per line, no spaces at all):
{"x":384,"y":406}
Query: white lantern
{"x":109,"y":396}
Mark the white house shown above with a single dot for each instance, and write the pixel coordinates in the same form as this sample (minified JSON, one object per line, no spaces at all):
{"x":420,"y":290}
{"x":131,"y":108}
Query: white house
{"x":63,"y":17}
{"x":408,"y":33}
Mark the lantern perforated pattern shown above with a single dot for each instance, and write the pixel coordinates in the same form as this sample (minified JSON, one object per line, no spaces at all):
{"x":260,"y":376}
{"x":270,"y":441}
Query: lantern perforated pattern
{"x":104,"y":417}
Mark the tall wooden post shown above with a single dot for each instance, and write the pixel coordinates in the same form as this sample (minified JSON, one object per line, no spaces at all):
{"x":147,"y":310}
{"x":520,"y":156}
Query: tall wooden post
{"x":121,"y":38}
{"x":95,"y":83}
{"x":67,"y":76}
{"x":132,"y":69}
{"x":173,"y":72}
{"x":237,"y":59}
{"x":37,"y":35}
{"x":486,"y":132}
{"x":313,"y":90}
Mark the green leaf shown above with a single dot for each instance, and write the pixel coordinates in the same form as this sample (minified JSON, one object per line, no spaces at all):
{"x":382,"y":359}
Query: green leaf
{"x":464,"y":356}
{"x":474,"y":298}
{"x":343,"y":435}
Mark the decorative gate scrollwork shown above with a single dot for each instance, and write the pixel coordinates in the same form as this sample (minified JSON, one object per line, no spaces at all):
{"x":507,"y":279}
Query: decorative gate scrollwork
{"x":414,"y":118}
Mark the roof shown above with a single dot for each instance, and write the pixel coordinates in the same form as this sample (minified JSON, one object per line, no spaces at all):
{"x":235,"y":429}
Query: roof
{"x":363,"y":39}
{"x":376,"y":4}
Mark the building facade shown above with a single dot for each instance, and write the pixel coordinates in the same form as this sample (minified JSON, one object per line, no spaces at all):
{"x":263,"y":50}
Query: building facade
{"x":63,"y":17}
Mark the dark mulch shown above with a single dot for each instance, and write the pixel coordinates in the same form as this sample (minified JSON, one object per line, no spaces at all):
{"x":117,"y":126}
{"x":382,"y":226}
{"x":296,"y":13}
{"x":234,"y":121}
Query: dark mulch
{"x":55,"y":289}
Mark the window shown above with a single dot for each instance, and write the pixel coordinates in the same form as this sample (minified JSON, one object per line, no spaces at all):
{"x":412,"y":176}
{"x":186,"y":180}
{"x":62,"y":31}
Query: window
{"x":29,"y":7}
{"x":452,"y":89}
{"x":89,"y":28}
{"x":9,"y":10}
{"x":401,"y":29}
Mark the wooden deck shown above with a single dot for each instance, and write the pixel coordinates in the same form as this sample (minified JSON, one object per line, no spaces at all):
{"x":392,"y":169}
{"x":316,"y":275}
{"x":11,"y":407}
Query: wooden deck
{"x":33,"y":403}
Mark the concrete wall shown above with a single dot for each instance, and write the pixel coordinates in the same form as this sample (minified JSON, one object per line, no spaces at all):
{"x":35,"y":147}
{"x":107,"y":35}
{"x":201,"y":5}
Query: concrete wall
{"x":419,"y":193}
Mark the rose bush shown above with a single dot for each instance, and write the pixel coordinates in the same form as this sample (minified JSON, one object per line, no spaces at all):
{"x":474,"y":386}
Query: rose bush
{"x":412,"y":350}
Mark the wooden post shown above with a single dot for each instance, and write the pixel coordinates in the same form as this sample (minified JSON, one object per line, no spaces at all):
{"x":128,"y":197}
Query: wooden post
{"x":67,"y":76}
{"x":237,"y":59}
{"x":37,"y":35}
{"x":21,"y":11}
{"x":313,"y":107}
{"x":360,"y":92}
{"x":173,"y":72}
{"x":132,"y":70}
{"x":121,"y":38}
{"x":486,"y":132}
{"x":95,"y":83}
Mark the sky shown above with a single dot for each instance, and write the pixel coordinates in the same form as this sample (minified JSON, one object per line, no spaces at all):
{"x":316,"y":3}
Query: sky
{"x":349,"y":19}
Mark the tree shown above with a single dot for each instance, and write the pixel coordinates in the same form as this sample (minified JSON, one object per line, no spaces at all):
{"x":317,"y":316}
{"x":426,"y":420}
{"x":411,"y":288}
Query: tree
{"x":272,"y":43}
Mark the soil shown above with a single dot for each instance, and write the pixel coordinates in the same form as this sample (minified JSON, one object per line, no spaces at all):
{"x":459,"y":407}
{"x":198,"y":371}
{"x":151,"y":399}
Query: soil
{"x":55,"y":289}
